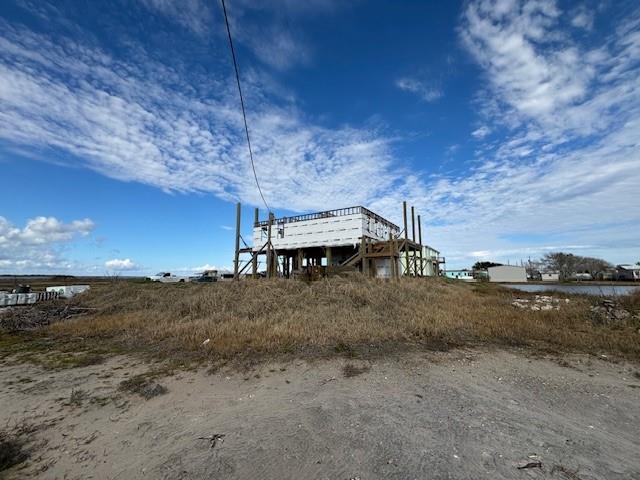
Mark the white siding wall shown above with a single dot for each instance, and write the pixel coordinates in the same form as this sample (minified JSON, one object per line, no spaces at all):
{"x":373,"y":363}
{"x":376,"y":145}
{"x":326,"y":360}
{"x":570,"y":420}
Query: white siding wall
{"x":322,"y":232}
{"x":383,"y":267}
{"x":507,"y":273}
{"x":550,"y":277}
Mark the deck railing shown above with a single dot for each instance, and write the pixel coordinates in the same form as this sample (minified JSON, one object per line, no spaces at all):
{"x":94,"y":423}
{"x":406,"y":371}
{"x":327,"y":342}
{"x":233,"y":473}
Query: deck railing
{"x":340,"y":212}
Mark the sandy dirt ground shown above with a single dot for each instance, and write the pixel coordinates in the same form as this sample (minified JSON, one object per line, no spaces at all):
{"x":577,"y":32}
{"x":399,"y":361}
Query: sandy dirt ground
{"x":466,"y":414}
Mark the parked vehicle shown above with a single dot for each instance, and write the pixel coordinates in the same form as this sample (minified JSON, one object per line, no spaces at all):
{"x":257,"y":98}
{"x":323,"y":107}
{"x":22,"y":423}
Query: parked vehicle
{"x":208,"y":276}
{"x":203,"y":279}
{"x":167,"y":277}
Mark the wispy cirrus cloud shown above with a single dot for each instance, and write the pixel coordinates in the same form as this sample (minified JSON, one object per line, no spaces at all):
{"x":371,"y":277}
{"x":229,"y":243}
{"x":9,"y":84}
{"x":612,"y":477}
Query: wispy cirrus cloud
{"x":568,"y":159}
{"x":143,"y":121}
{"x":481,"y":132}
{"x":265,"y":28}
{"x":583,"y":17}
{"x":195,"y":15}
{"x":427,"y":93}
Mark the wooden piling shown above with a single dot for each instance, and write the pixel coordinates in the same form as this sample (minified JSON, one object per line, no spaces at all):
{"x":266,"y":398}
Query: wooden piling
{"x":236,"y":261}
{"x":406,"y":237}
{"x":269,"y":248}
{"x":421,"y":247}
{"x":413,"y":239}
{"x":363,"y":253}
{"x":254,"y":260}
{"x":392,"y":256}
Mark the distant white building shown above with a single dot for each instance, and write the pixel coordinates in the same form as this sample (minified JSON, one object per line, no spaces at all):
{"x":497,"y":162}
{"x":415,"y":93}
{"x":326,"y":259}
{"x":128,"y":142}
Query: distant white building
{"x":507,"y":274}
{"x":550,"y":276}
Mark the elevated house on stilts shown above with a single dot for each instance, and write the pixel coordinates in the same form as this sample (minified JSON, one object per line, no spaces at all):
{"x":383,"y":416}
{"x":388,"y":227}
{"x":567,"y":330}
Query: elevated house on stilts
{"x":340,"y":241}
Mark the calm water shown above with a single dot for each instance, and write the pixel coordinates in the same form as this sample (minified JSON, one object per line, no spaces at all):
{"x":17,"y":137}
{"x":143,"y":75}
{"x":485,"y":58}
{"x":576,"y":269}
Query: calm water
{"x":601,"y":290}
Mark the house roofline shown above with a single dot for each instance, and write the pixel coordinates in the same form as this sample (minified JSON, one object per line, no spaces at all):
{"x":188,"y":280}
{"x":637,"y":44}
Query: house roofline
{"x":339,"y":212}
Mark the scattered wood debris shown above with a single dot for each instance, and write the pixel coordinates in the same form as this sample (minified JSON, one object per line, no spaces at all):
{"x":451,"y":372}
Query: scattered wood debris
{"x":537,"y":464}
{"x":14,"y":319}
{"x":214,"y":439}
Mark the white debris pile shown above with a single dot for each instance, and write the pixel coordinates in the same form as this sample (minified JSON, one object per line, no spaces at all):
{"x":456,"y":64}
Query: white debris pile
{"x":540,"y":302}
{"x":29,"y":298}
{"x":68,"y":291}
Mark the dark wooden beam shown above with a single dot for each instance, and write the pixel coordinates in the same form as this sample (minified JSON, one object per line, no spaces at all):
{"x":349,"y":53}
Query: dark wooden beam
{"x":406,"y":236}
{"x":236,"y":260}
{"x":254,"y":260}
{"x":421,"y":247}
{"x":269,"y":248}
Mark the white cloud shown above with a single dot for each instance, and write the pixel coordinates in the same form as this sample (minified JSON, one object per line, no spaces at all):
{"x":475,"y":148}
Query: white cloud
{"x":37,"y":245}
{"x":120,"y":265}
{"x":205,"y":267}
{"x":425,"y":92}
{"x":145,"y":122}
{"x":42,"y":231}
{"x":195,"y":15}
{"x":275,"y":45}
{"x":507,"y":39}
{"x":583,"y":18}
{"x":202,"y":268}
{"x":263,"y":27}
{"x":481,"y":132}
{"x":452,"y":149}
{"x":226,"y":227}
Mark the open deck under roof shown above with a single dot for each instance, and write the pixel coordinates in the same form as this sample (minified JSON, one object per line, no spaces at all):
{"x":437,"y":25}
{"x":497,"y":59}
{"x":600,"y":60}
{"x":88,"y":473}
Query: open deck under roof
{"x":339,"y":212}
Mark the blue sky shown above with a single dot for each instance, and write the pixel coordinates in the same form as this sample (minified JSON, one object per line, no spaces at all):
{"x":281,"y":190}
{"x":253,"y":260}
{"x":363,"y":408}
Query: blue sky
{"x":513,"y":127}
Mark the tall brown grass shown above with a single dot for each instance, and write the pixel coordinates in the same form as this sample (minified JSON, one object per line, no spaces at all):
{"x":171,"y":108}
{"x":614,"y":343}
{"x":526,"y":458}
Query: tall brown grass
{"x":290,"y":316}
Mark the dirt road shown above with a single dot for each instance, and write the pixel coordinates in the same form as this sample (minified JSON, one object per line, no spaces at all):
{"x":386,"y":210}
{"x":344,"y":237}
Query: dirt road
{"x":466,"y":414}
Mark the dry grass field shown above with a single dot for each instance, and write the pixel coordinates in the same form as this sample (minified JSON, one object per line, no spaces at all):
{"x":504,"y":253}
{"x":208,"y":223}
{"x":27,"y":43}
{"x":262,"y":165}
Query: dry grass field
{"x":340,"y":378}
{"x":347,"y":316}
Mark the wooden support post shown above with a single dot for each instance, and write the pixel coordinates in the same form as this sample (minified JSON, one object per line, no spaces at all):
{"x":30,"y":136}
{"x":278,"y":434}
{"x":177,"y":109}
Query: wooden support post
{"x":329,"y":254}
{"x":254,"y":260}
{"x":363,"y":253}
{"x":396,"y":257}
{"x":421,"y":248}
{"x":300,"y":260}
{"x":236,"y":261}
{"x":406,"y":237}
{"x":276,"y":263}
{"x":392,"y":257}
{"x":269,"y":248}
{"x":413,"y":239}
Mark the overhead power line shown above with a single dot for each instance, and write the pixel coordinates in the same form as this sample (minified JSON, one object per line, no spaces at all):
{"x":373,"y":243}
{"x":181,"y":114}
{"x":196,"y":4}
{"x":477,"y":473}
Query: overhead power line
{"x":244,"y":115}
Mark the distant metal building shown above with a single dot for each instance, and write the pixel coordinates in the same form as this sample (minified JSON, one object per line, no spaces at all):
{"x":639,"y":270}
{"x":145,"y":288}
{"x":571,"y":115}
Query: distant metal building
{"x":507,"y":274}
